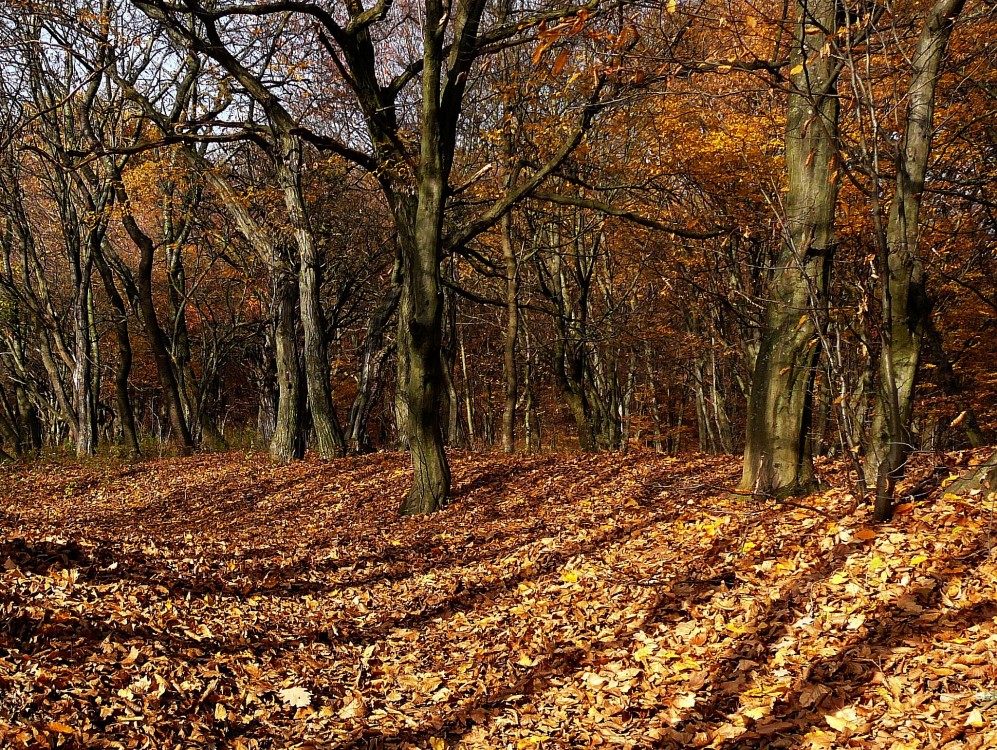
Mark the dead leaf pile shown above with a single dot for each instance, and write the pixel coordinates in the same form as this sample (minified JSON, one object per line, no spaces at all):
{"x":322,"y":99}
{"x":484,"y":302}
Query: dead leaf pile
{"x":560,"y":602}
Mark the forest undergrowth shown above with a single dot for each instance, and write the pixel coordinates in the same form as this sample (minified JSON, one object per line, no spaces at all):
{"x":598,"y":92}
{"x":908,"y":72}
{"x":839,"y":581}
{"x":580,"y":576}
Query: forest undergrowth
{"x":562,"y":601}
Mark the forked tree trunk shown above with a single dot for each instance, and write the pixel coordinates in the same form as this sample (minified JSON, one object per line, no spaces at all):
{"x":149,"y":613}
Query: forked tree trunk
{"x":905,"y":301}
{"x":777,"y":459}
{"x":155,"y":335}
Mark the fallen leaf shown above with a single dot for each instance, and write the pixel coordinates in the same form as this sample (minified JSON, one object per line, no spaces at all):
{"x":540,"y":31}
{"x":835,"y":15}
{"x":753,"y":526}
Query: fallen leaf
{"x":296,"y":697}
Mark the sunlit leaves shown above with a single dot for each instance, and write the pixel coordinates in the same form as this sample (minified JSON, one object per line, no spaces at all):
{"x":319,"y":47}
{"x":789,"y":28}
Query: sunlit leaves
{"x":545,"y":604}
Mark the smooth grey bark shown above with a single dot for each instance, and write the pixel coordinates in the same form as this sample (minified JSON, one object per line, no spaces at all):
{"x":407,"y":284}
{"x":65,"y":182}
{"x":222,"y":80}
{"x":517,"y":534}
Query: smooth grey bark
{"x":906,"y":305}
{"x":777,"y":459}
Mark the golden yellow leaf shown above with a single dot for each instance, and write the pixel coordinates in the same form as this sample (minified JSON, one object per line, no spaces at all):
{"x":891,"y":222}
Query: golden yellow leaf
{"x":437,"y":743}
{"x":796,"y":69}
{"x":975,"y":719}
{"x":841,"y":720}
{"x":60,"y":728}
{"x":686,"y":700}
{"x":758,"y":712}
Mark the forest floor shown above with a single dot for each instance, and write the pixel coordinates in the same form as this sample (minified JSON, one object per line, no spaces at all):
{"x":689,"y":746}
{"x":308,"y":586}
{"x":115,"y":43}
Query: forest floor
{"x":562,"y":601}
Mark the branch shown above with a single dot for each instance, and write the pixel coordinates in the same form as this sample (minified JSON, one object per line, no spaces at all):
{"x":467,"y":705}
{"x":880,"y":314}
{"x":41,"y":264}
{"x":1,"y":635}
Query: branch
{"x":503,"y":205}
{"x":607,"y":208}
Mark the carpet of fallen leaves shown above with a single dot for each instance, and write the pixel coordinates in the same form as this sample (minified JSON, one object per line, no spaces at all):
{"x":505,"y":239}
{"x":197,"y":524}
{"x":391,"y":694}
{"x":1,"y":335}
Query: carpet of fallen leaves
{"x":561,"y":601}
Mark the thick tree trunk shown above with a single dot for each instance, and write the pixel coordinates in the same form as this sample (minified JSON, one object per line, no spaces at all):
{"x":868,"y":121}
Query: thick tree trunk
{"x":419,"y":219}
{"x":777,"y":460}
{"x":329,"y":438}
{"x":420,"y":335}
{"x":287,"y":442}
{"x":905,"y":301}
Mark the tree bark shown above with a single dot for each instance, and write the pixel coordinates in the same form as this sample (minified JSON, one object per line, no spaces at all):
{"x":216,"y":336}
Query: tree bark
{"x":511,"y":334}
{"x":371,"y":361}
{"x":287,"y":442}
{"x":777,"y":459}
{"x":123,"y":369}
{"x":905,"y":302}
{"x":155,"y":335}
{"x":84,"y":377}
{"x":329,"y":438}
{"x":420,"y":336}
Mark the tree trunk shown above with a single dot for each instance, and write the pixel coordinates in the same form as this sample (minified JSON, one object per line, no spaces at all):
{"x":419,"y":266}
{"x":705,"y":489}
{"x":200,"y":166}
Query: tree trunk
{"x":511,"y":334}
{"x":448,"y":363}
{"x":193,"y":390}
{"x":777,"y":460}
{"x":905,"y":301}
{"x":287,"y":442}
{"x":154,"y":333}
{"x":371,"y":360}
{"x":468,"y":392}
{"x":420,"y":337}
{"x":328,"y":433}
{"x":84,"y":377}
{"x":123,"y":369}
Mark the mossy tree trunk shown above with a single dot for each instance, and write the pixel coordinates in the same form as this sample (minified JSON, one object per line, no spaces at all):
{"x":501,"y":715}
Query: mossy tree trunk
{"x":777,"y":458}
{"x":906,"y":306}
